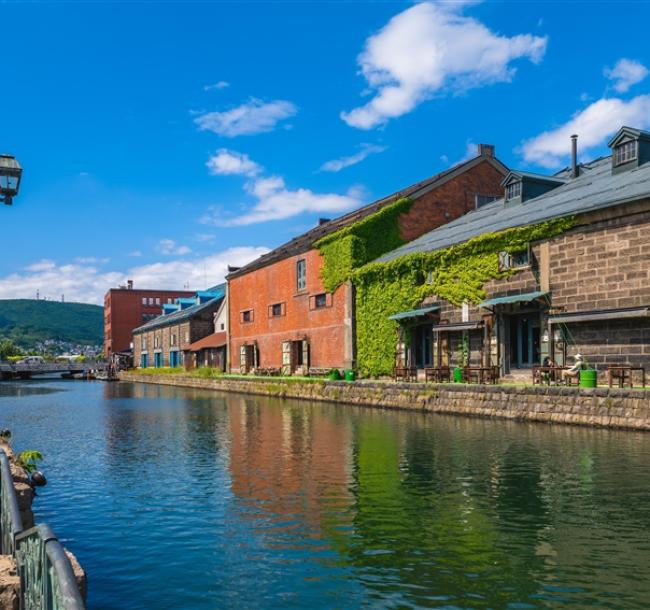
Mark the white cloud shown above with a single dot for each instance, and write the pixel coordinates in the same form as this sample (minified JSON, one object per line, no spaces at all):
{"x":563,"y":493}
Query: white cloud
{"x":336,"y":165}
{"x":228,"y":162}
{"x":135,"y":253}
{"x":204,"y":237}
{"x":274,"y":201}
{"x":594,"y":125}
{"x":92,"y":260}
{"x":85,"y":284}
{"x":431,"y":49}
{"x":625,"y":73}
{"x":169,"y":247}
{"x":222,"y":84}
{"x":255,"y":116}
{"x":42,"y":265}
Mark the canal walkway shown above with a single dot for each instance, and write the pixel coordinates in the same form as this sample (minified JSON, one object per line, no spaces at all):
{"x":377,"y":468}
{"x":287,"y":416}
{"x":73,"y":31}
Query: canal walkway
{"x":600,"y":407}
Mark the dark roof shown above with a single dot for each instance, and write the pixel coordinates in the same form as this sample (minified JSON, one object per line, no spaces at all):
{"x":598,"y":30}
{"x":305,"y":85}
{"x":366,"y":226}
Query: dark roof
{"x":595,"y":188}
{"x":178,"y":316}
{"x":306,"y":241}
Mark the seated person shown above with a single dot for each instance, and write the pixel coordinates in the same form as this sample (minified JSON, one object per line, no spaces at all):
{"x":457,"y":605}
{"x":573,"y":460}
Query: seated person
{"x":545,"y":376}
{"x":574,"y":371}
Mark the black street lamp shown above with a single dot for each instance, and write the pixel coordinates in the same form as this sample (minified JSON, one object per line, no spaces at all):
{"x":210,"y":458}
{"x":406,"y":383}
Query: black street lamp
{"x":10,"y":173}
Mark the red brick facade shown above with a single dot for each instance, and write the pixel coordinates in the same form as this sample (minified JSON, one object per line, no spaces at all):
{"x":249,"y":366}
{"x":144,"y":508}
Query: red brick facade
{"x":274,"y":324}
{"x":126,"y":309}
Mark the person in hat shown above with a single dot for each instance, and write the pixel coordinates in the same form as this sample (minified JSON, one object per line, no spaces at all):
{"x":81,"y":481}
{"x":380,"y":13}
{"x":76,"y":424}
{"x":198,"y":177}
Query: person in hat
{"x":574,"y":371}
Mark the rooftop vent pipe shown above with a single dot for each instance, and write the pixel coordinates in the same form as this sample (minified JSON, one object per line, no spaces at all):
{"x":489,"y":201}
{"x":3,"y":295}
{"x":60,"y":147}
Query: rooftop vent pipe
{"x":574,"y":156}
{"x":323,"y":221}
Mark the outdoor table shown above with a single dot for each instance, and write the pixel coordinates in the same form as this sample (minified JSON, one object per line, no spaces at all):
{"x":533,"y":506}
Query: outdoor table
{"x":407,"y":373}
{"x":437,"y":374}
{"x":482,"y":374}
{"x":623,"y":373}
{"x":553,"y":374}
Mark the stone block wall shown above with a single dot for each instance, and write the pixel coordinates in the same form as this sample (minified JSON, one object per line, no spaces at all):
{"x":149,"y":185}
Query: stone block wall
{"x":601,"y":407}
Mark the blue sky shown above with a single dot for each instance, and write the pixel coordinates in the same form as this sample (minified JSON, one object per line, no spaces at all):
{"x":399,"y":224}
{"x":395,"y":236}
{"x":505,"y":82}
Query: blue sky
{"x":163,"y":141}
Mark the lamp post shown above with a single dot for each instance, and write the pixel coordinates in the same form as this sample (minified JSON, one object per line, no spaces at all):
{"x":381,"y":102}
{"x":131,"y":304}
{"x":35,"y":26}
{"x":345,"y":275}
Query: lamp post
{"x":10,"y":173}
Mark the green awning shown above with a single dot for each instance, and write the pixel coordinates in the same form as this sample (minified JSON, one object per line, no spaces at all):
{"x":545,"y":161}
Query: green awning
{"x":414,"y":313}
{"x":514,"y":298}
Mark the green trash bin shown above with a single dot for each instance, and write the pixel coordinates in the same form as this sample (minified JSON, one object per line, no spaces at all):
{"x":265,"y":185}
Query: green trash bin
{"x":350,"y":375}
{"x":588,"y":378}
{"x":334,"y":375}
{"x":458,"y":375}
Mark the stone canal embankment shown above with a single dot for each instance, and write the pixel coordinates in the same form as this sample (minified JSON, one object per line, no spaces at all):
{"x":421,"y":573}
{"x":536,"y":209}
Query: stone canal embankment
{"x":600,"y":407}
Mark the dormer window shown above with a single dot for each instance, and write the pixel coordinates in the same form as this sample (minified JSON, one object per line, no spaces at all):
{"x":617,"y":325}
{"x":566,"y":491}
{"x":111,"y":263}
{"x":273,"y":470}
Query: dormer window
{"x":625,"y":152}
{"x":630,"y":149}
{"x":513,"y":190}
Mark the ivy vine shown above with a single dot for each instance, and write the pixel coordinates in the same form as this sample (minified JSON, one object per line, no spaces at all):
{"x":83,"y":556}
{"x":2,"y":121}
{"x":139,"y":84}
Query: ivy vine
{"x":355,"y":245}
{"x":456,"y":274}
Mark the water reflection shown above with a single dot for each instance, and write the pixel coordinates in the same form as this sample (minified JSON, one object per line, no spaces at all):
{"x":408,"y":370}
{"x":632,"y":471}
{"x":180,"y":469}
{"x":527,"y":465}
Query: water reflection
{"x":240,"y":502}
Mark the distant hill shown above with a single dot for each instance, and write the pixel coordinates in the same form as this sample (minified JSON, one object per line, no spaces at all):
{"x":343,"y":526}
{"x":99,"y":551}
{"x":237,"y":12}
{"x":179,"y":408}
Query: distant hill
{"x":27,"y":321}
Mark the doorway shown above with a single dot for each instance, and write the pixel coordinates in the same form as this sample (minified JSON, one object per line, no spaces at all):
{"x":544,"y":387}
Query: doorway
{"x":524,"y":341}
{"x":422,"y":346}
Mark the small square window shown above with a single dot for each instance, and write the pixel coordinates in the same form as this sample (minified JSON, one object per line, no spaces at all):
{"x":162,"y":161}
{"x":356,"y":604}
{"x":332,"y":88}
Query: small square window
{"x":276,"y":310}
{"x":247,"y":316}
{"x":144,"y":300}
{"x":157,"y":300}
{"x":301,"y":274}
{"x":520,"y":259}
{"x":320,"y":300}
{"x":625,"y":152}
{"x":513,"y":190}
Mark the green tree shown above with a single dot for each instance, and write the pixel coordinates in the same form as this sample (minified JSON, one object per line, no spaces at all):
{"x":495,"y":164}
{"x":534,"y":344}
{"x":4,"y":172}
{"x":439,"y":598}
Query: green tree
{"x":8,"y":349}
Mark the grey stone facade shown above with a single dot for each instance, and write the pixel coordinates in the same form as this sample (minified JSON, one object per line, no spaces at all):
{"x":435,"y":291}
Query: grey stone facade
{"x":601,"y":265}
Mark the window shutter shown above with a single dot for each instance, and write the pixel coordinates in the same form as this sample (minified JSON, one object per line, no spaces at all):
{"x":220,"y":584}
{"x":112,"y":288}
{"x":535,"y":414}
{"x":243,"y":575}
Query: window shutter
{"x":286,"y":357}
{"x":256,"y":356}
{"x":305,"y":354}
{"x":328,"y":299}
{"x":242,"y":359}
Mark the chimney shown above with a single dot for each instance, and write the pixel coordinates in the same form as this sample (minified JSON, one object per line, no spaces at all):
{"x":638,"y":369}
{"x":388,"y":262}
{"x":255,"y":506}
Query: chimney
{"x":486,"y":150}
{"x":574,"y":156}
{"x":323,"y":221}
{"x":232,"y":269}
{"x":129,"y":284}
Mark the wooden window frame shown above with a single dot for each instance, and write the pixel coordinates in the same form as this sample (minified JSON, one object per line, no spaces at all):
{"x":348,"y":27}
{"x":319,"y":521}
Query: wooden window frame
{"x":251,"y":316}
{"x":282,"y":311}
{"x":301,"y":262}
{"x":328,"y":301}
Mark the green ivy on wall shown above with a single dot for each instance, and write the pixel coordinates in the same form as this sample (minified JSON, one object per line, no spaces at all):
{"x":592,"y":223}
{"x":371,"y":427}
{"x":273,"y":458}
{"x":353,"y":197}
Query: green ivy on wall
{"x":456,"y":274}
{"x":362,"y":242}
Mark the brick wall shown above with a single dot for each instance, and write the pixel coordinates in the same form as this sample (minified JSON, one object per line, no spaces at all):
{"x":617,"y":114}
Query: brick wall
{"x":603,"y":263}
{"x":330,"y":331}
{"x":450,"y":200}
{"x":185,"y":332}
{"x":325,"y":328}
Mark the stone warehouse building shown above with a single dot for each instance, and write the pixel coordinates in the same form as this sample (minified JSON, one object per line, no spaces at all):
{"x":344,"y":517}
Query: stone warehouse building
{"x":169,"y":339}
{"x":559,"y":265}
{"x":126,"y":308}
{"x":292,"y":312}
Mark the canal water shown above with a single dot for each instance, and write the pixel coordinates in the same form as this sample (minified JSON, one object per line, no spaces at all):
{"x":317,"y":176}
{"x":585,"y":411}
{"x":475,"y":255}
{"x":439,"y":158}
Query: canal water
{"x":179,"y":498}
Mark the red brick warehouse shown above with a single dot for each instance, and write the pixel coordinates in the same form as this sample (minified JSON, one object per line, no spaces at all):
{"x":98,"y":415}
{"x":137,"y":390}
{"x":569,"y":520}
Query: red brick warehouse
{"x":126,"y":309}
{"x":281,"y":316}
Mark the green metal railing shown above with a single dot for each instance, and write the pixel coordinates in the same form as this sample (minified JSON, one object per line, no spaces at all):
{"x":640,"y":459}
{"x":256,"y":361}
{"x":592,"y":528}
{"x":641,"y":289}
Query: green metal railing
{"x":47,"y":581}
{"x":10,"y":522}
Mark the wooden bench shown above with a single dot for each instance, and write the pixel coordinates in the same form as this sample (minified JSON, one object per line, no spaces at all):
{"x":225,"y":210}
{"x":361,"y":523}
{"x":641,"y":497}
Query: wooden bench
{"x":319,"y":371}
{"x":405,"y":373}
{"x":622,"y":373}
{"x":267,"y":372}
{"x":438,"y":374}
